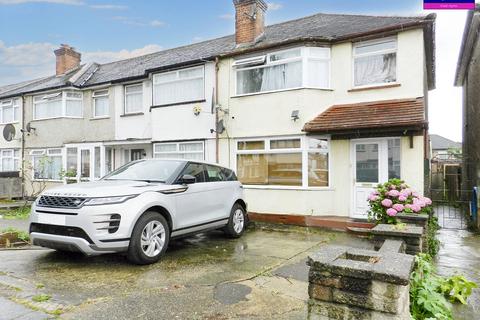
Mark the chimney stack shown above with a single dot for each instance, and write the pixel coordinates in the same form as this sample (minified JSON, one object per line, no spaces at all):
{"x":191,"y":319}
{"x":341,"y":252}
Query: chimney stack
{"x":67,"y":59}
{"x":249,"y":21}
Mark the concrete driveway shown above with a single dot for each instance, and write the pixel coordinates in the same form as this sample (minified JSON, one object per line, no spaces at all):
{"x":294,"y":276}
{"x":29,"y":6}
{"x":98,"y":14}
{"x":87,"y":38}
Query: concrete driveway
{"x":260,"y":276}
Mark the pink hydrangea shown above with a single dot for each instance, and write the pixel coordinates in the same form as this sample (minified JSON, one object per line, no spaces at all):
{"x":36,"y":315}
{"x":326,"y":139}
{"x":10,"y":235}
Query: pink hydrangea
{"x":402,"y":198}
{"x":428,"y":201}
{"x":415,"y":194}
{"x":398,"y":206}
{"x":416,"y":208}
{"x":394,"y":193}
{"x":373,"y":197}
{"x":407,"y":191}
{"x":392,"y":212}
{"x":387,"y":203}
{"x":419,"y":202}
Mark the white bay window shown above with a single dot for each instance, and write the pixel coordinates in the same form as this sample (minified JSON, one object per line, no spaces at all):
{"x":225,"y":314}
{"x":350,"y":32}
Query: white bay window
{"x":191,"y":150}
{"x":285,"y":162}
{"x":186,"y":85}
{"x":288,"y":69}
{"x":66,"y":104}
{"x":9,"y":111}
{"x":9,"y":160}
{"x":375,"y":62}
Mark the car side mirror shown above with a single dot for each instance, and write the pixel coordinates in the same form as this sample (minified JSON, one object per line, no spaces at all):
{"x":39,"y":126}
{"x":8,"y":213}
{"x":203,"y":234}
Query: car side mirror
{"x":188,"y":179}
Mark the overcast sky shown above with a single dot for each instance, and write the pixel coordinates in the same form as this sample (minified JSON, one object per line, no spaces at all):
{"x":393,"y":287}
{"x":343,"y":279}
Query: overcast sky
{"x":110,"y":30}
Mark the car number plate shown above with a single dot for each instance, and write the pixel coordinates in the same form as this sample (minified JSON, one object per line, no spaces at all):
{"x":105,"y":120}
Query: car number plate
{"x":56,"y":219}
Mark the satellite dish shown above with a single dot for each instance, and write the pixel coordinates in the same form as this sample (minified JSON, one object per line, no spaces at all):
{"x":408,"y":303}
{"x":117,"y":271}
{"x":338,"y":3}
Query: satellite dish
{"x":9,"y":132}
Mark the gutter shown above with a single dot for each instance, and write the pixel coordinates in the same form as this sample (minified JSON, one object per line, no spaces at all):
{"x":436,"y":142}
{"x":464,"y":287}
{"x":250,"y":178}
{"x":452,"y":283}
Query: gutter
{"x":217,"y":136}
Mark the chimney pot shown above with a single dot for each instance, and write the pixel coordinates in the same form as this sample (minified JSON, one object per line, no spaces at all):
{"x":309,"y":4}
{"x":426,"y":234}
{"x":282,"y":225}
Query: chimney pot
{"x":249,"y":21}
{"x":67,"y":59}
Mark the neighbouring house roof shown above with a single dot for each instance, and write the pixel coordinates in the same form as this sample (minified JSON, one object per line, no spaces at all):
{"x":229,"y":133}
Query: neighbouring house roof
{"x":378,"y":116}
{"x":329,"y":28}
{"x":442,"y":143}
{"x":469,"y":41}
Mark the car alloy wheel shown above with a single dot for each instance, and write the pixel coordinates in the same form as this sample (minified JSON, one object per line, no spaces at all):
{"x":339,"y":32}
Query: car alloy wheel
{"x":238,"y":221}
{"x":153,"y":238}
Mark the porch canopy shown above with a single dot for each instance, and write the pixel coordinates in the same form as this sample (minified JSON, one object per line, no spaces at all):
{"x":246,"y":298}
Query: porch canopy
{"x":405,"y":117}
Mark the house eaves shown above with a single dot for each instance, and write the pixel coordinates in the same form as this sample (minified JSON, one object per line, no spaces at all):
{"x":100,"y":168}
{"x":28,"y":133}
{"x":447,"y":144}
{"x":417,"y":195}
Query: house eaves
{"x":469,"y":41}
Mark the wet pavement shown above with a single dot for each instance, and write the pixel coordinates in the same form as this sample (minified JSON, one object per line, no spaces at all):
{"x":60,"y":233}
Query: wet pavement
{"x":460,"y":253}
{"x":263,"y":275}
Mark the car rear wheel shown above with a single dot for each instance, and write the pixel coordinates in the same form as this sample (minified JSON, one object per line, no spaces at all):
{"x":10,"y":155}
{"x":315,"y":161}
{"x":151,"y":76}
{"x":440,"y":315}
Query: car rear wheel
{"x":149,"y":240}
{"x":237,"y":222}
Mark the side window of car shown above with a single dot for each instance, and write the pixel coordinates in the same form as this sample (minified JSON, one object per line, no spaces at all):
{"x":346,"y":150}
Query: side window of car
{"x":229,"y":175}
{"x":214,"y":174}
{"x":196,"y":170}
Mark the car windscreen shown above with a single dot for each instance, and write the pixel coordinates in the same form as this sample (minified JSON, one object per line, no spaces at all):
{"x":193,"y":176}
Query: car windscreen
{"x":149,"y":171}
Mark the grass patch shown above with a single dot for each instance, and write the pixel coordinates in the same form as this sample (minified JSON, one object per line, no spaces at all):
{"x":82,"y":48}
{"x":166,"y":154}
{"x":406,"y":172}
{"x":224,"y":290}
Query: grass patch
{"x":21,"y":213}
{"x":40,"y":286}
{"x":19,"y":234}
{"x":41,"y":298}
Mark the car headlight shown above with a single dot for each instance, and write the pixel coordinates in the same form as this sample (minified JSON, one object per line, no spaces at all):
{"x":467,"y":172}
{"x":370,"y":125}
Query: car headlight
{"x":107,"y":200}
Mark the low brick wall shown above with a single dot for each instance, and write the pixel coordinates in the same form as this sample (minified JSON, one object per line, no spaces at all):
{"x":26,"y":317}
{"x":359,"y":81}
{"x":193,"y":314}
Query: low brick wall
{"x":347,"y":283}
{"x":411,"y":235}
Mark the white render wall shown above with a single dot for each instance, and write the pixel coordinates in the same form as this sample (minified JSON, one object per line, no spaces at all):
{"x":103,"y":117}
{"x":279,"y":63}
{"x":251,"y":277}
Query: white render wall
{"x":268,"y":114}
{"x":16,"y":143}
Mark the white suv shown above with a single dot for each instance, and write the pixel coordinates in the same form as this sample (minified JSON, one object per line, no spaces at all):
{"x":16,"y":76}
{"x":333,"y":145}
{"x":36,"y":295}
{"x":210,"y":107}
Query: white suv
{"x":138,"y":208}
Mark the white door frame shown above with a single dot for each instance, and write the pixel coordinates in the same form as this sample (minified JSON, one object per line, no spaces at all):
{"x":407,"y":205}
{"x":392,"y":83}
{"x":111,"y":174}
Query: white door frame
{"x":382,"y":170}
{"x":91,"y":148}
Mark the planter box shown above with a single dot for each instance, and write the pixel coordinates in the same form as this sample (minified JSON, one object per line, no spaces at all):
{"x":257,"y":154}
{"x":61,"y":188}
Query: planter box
{"x":420,"y":220}
{"x":412,"y":235}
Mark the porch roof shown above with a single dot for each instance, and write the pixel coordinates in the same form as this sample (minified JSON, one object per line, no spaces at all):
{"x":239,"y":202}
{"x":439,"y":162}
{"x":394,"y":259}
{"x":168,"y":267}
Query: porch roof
{"x":400,"y":117}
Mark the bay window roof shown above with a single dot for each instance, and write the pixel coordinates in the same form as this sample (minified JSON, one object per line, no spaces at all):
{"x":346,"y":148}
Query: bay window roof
{"x":328,"y":28}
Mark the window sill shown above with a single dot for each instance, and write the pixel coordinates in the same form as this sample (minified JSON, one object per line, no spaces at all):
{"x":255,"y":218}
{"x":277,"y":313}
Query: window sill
{"x":5,"y":123}
{"x":47,"y":180}
{"x":374,"y":87}
{"x":257,"y":187}
{"x":99,"y":118}
{"x":276,"y":91}
{"x":56,"y":118}
{"x":177,"y":104}
{"x":132,"y":114}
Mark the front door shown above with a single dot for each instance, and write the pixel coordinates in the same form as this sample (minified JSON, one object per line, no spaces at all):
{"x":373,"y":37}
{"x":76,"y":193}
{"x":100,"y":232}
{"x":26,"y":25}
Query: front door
{"x":370,"y":167}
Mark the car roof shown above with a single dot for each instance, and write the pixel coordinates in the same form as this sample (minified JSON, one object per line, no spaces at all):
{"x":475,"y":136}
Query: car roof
{"x":186,"y":160}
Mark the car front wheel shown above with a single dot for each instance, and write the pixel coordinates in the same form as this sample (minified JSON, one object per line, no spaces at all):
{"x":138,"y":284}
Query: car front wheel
{"x":149,"y":239}
{"x":237,"y":222}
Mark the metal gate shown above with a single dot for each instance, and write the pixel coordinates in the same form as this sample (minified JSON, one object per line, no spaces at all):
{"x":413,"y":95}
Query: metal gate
{"x":452,"y":208}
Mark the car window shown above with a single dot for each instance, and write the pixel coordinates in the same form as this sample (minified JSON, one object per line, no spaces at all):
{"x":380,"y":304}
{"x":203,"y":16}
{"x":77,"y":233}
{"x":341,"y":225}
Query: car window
{"x":214,"y":174}
{"x":229,"y":175}
{"x":196,"y":170}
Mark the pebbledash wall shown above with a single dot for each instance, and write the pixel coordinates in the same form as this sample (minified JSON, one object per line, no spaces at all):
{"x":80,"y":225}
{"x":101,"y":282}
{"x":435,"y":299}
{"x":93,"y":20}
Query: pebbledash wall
{"x":269,"y":115}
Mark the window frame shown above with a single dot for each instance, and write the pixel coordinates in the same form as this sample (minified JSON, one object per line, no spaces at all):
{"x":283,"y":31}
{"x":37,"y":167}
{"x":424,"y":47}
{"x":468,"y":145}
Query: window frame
{"x":49,"y":152}
{"x":177,"y":151}
{"x":356,"y":45}
{"x":304,"y":58}
{"x":178,"y":79}
{"x":14,"y":103}
{"x":15,"y":159}
{"x":96,"y":96}
{"x":125,"y":94}
{"x":63,"y":98}
{"x":304,"y":150}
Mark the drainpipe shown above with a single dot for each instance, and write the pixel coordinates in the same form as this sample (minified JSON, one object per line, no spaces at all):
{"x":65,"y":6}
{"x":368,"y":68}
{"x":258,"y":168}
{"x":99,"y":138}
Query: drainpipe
{"x":23,"y":148}
{"x":217,"y":137}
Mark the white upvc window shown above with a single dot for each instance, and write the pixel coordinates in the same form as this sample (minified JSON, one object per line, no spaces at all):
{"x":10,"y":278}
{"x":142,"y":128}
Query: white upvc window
{"x":305,"y":67}
{"x":65,"y":104}
{"x":287,"y":162}
{"x":9,"y":111}
{"x":9,"y":159}
{"x":134,"y":98}
{"x":191,"y":150}
{"x":101,"y":104}
{"x":375,"y":62}
{"x":180,"y":86}
{"x":47,"y":164}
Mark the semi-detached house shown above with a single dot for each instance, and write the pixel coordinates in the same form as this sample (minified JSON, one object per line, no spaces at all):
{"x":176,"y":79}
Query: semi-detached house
{"x":311,"y":113}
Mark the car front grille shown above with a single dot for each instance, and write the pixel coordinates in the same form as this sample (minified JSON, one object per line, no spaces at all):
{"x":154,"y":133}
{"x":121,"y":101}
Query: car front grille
{"x":60,"y":231}
{"x":61,"y":202}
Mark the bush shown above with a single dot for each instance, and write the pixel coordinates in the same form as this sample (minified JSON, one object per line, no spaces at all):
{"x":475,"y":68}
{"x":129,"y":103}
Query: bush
{"x":429,"y":292}
{"x":394,"y":197}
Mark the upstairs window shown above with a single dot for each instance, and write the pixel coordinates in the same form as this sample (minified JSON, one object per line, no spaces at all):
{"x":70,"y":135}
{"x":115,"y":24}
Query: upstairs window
{"x":9,"y":111}
{"x":100,"y":104}
{"x":68,"y":104}
{"x":134,"y":98}
{"x":186,"y":85}
{"x":375,"y":62}
{"x":289,"y":69}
